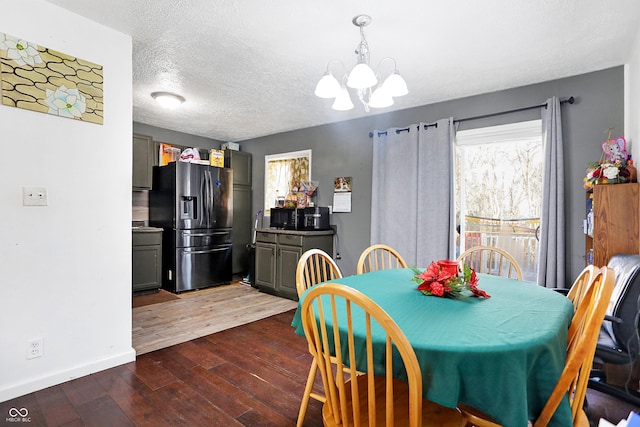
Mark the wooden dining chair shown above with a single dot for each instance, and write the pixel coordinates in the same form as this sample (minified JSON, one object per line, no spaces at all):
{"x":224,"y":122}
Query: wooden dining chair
{"x":581,"y":284}
{"x":491,"y":260}
{"x":314,"y":266}
{"x":353,"y":398}
{"x":379,"y":257}
{"x":585,"y":327}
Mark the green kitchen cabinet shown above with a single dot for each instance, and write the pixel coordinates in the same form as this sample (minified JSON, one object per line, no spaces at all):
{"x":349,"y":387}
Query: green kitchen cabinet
{"x":146,"y":259}
{"x":144,"y":158}
{"x":277,"y":254}
{"x":266,"y":267}
{"x":240,"y":162}
{"x":241,"y":228}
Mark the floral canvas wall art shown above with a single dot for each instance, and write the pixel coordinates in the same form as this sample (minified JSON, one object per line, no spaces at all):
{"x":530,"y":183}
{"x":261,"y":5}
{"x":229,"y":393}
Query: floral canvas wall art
{"x":36,"y":78}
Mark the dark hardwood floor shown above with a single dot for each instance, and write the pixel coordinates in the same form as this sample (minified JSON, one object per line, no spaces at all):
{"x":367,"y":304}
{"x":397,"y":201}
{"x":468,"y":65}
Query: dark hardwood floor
{"x":252,"y":375}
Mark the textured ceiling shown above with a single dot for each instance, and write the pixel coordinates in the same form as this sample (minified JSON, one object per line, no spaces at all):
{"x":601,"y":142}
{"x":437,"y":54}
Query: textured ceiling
{"x":248,"y":68}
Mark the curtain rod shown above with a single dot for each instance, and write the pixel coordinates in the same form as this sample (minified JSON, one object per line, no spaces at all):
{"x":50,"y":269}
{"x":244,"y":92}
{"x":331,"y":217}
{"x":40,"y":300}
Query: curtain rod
{"x":569,"y":100}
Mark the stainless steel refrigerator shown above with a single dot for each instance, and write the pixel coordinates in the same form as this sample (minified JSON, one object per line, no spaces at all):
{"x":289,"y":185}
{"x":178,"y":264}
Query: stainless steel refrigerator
{"x":193,"y":203}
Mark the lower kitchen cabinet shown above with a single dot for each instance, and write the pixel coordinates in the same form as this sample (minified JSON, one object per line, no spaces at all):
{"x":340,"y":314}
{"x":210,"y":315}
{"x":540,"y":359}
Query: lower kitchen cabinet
{"x":277,"y":254}
{"x":241,"y":228}
{"x":146,"y":259}
{"x":240,"y":162}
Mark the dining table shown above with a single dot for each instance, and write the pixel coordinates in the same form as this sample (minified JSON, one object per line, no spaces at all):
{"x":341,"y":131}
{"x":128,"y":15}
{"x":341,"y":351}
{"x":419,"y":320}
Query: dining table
{"x":502,"y":355}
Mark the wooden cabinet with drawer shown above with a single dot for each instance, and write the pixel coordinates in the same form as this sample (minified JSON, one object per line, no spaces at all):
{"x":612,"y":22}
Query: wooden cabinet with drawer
{"x":277,"y":254}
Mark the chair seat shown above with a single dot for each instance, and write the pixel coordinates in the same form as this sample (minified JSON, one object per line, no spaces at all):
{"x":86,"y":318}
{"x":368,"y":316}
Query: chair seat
{"x":581,"y":419}
{"x":432,"y":413}
{"x":609,"y":350}
{"x":478,"y":419}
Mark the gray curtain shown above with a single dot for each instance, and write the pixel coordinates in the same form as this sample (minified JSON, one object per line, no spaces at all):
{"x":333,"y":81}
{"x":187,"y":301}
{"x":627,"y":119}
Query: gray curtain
{"x":551,"y":266}
{"x":394,"y":187}
{"x":412,"y":207}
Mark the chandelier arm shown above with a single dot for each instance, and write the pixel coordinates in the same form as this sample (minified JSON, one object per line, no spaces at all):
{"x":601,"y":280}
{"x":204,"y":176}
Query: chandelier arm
{"x":395,"y":65}
{"x":344,"y":69}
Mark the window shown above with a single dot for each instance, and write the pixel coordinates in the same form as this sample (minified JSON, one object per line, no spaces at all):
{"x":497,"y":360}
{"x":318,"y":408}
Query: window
{"x":499,"y":190}
{"x":280,"y":171}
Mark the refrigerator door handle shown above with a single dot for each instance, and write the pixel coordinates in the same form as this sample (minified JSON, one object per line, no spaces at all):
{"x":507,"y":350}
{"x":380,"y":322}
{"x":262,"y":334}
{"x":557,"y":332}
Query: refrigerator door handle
{"x":210,"y":198}
{"x":205,"y":203}
{"x":206,"y":251}
{"x":214,"y":233}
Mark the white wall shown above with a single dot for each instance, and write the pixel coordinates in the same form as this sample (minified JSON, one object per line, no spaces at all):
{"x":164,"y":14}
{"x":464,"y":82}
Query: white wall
{"x":632,"y":99}
{"x":65,"y":269}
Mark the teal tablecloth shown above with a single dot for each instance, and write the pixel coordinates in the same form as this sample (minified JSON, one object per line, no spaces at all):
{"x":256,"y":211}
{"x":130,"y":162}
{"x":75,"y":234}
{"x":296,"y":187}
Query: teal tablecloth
{"x":502,"y":355}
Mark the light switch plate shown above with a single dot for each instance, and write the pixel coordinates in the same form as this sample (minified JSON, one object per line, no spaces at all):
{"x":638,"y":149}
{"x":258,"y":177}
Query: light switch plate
{"x":34,"y":196}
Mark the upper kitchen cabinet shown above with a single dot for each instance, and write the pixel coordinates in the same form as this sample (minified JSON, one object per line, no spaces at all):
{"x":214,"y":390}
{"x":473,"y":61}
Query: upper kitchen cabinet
{"x":144,"y":158}
{"x":240,"y":162}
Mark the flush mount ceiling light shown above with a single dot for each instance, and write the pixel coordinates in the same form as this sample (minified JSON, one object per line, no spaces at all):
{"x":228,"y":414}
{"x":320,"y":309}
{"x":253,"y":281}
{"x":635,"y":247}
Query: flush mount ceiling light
{"x":362,"y":78}
{"x":167,"y":99}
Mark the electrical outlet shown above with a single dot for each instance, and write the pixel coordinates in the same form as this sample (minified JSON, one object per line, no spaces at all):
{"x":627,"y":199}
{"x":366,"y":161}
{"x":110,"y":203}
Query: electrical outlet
{"x":34,"y":196}
{"x":35,"y":348}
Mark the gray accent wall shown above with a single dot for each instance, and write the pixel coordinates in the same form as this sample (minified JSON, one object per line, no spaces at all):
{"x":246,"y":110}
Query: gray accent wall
{"x":344,"y":149}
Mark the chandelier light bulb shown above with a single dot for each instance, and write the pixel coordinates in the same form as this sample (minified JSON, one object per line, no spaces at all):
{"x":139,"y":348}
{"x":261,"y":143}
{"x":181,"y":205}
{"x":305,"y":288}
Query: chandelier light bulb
{"x":362,"y":77}
{"x":343,"y":100}
{"x":395,"y":85}
{"x":327,"y":87}
{"x":380,"y":98}
{"x":167,"y":99}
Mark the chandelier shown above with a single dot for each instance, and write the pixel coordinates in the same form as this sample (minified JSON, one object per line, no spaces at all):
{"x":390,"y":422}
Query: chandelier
{"x":362,"y":78}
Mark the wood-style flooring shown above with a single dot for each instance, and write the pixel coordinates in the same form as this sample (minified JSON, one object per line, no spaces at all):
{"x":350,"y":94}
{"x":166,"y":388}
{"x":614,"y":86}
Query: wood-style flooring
{"x":251,"y":375}
{"x":198,"y":313}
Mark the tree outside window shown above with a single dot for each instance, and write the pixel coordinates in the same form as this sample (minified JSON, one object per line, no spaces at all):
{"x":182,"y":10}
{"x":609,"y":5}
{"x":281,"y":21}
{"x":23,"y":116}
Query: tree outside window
{"x":499,"y":190}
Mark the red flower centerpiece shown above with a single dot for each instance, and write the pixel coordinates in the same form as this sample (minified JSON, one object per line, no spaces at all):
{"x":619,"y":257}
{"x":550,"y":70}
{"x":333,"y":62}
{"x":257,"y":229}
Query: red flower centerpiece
{"x":445,"y":279}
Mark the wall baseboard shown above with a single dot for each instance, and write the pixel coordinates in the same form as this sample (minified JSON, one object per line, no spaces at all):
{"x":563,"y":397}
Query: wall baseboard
{"x":8,"y":392}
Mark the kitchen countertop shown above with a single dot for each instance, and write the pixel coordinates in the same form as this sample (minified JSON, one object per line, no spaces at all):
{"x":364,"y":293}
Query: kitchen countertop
{"x":145,"y":229}
{"x":298,"y":232}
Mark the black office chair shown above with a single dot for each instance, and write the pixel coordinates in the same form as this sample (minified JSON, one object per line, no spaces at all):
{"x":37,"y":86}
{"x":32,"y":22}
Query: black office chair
{"x":619,"y":343}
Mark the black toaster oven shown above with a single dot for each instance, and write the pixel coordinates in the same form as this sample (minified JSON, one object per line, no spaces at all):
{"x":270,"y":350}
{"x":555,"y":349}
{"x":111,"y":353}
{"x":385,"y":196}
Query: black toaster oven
{"x":316,"y":218}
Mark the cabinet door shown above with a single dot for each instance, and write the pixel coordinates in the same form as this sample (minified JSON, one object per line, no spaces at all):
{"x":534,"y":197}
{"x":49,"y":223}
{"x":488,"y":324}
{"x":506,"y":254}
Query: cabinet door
{"x":240,"y":162}
{"x":142,"y":162}
{"x":615,"y":221}
{"x":288,"y":257}
{"x":265,"y":265}
{"x":241,"y":228}
{"x":146,"y":268}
